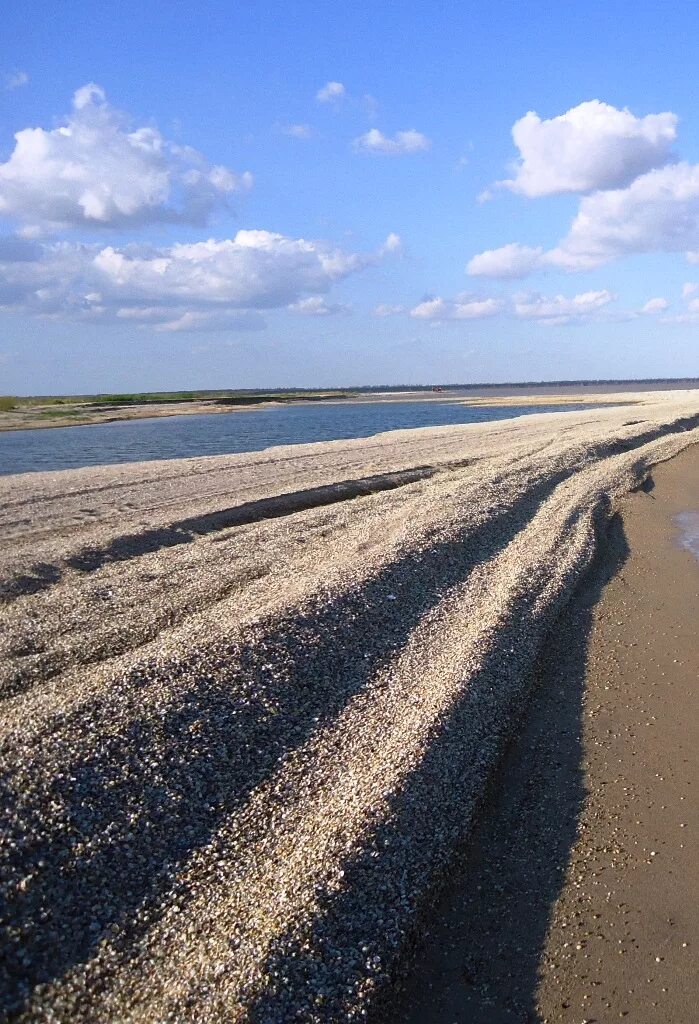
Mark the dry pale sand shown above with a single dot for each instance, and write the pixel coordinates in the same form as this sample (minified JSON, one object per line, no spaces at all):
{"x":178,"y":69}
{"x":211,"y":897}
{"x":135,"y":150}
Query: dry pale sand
{"x":251,"y":702}
{"x":577,"y":898}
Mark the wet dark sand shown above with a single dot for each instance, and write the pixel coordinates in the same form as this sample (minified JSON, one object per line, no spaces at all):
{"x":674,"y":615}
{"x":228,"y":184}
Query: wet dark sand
{"x":579,"y":897}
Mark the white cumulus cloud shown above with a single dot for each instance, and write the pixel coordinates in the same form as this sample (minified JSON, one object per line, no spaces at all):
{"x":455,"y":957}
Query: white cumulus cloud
{"x":462,"y":308}
{"x":401,"y":144}
{"x":97,"y":170}
{"x":509,"y":261}
{"x":592,"y":146}
{"x":331,"y":92}
{"x":659,"y":211}
{"x":192,"y":286}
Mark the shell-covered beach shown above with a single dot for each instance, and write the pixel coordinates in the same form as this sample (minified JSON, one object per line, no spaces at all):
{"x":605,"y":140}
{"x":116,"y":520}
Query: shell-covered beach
{"x":251,"y":703}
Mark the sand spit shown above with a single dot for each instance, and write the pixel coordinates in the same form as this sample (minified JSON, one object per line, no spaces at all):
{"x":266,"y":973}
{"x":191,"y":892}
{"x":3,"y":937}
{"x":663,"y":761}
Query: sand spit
{"x":553,"y":399}
{"x":251,"y":702}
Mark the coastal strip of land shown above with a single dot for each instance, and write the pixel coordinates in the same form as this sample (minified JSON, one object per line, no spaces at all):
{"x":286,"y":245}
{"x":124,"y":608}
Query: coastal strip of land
{"x":252,"y":703}
{"x":81,"y":410}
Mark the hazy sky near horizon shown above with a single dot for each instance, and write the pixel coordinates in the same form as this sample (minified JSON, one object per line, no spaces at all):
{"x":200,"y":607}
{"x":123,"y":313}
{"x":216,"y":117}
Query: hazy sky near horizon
{"x":244,"y":195}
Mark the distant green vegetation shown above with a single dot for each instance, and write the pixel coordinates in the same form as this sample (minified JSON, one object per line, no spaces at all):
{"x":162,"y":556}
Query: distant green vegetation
{"x":241,"y":397}
{"x":52,"y":414}
{"x":140,"y":398}
{"x":226,"y":397}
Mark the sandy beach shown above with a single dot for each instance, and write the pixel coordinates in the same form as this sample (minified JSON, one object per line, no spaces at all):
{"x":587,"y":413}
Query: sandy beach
{"x":253,"y":705}
{"x":576,"y":898}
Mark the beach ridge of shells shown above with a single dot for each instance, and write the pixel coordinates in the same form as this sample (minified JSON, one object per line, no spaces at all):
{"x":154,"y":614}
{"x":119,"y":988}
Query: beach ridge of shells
{"x":250,"y":703}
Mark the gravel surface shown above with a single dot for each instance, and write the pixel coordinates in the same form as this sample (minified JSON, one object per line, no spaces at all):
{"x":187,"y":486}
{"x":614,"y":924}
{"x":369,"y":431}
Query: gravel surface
{"x":251,"y":702}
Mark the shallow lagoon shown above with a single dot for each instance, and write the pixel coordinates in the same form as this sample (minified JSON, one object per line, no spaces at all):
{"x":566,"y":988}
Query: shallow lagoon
{"x":175,"y":437}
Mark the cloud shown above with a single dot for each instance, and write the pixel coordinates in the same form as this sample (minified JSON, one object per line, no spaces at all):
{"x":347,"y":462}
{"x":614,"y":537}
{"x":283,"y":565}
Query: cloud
{"x":689,"y":288}
{"x":331,"y":92}
{"x":189,"y":286}
{"x":297,"y":131}
{"x":592,"y":146}
{"x":316,"y":305}
{"x":393,"y":246}
{"x":637,"y":201}
{"x":560,"y":308}
{"x":15,"y":80}
{"x":402,"y":143}
{"x":658,"y":305}
{"x":96,"y":170}
{"x":257,"y":269}
{"x":555,"y":310}
{"x":462,"y":308}
{"x":509,"y":261}
{"x":659,"y":211}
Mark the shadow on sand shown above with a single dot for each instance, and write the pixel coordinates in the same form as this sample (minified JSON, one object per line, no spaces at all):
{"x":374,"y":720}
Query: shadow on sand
{"x":482,"y":958}
{"x":306,"y":670}
{"x":479,"y":960}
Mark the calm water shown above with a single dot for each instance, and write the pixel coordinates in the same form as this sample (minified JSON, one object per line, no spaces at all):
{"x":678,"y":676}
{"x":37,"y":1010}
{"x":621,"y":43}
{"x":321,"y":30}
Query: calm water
{"x":175,"y":437}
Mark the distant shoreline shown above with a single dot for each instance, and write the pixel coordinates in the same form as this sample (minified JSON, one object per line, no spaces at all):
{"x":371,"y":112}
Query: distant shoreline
{"x":36,"y":414}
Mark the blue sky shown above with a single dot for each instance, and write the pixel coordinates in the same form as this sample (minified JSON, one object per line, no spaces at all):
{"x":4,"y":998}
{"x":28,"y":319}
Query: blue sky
{"x":222,"y":195}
